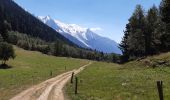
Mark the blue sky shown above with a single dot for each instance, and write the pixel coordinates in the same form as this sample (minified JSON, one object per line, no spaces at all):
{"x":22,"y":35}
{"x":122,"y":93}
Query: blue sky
{"x":109,"y":15}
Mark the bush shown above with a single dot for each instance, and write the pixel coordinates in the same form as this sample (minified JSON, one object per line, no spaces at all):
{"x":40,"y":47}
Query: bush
{"x":6,"y":52}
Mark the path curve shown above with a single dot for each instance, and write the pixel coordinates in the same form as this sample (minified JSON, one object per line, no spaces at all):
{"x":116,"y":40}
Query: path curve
{"x":51,"y":89}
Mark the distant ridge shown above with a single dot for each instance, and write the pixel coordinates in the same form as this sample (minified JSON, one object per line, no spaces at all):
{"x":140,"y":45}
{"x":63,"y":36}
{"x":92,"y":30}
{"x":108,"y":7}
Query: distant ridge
{"x":83,"y":37}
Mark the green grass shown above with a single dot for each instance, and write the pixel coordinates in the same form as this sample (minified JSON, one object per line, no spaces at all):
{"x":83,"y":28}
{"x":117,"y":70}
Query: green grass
{"x":131,"y":81}
{"x":31,"y":68}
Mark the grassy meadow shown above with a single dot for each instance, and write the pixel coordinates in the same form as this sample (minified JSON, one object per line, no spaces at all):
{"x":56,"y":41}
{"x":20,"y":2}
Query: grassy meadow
{"x":135,"y":80}
{"x":29,"y":68}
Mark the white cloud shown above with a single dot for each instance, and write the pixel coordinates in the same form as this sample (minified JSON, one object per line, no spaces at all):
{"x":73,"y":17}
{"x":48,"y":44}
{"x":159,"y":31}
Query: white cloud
{"x":96,"y":29}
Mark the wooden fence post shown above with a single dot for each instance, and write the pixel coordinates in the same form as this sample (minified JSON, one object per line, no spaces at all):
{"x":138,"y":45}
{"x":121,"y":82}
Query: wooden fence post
{"x":32,"y":79}
{"x":72,"y":76}
{"x":160,"y":89}
{"x":51,"y":73}
{"x":76,"y":85}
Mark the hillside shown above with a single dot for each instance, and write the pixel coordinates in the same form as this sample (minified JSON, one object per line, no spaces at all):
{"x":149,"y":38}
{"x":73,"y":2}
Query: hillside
{"x":31,"y":68}
{"x":21,"y":28}
{"x":23,"y":22}
{"x":61,"y":61}
{"x":134,"y":80}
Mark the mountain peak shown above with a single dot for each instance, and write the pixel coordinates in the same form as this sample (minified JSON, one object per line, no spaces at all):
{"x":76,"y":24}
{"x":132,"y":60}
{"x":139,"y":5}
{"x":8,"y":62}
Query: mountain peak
{"x":88,"y":30}
{"x":45,"y":19}
{"x":48,"y":17}
{"x":84,"y":37}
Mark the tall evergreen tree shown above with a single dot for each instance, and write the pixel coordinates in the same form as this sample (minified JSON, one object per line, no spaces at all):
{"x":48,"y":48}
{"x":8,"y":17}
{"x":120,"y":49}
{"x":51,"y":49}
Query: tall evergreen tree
{"x":57,"y":48}
{"x":124,"y":44}
{"x":165,"y":15}
{"x":147,"y":34}
{"x":4,"y":28}
{"x":1,"y":38}
{"x":153,"y":35}
{"x":136,"y":39}
{"x":165,"y":8}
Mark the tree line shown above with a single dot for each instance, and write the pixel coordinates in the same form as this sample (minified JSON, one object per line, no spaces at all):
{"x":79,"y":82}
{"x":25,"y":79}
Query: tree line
{"x":56,"y":48}
{"x":19,"y":27}
{"x":147,"y":33}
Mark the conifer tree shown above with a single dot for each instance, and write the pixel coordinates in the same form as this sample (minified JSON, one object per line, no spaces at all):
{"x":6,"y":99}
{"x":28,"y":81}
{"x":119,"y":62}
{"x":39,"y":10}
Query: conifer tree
{"x":153,"y":36}
{"x":165,"y":15}
{"x":136,"y":39}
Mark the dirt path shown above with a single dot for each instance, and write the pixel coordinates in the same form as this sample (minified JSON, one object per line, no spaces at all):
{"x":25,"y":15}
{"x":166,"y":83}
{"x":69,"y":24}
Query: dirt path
{"x":50,"y":89}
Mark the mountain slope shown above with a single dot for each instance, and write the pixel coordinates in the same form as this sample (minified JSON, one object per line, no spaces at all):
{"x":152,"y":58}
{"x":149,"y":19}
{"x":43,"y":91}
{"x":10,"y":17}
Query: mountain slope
{"x":83,"y":37}
{"x":23,"y":22}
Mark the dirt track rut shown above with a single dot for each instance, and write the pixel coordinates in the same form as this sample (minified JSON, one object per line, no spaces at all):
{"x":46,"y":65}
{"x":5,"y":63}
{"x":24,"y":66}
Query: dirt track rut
{"x":51,"y":89}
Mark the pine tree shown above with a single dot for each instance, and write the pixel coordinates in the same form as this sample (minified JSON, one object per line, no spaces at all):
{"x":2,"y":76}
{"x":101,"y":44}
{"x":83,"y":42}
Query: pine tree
{"x":57,"y":48}
{"x":165,"y":15}
{"x":124,"y":44}
{"x":137,"y":35}
{"x":4,"y":28}
{"x":1,"y":38}
{"x":153,"y":35}
{"x":147,"y":34}
{"x":165,"y":8}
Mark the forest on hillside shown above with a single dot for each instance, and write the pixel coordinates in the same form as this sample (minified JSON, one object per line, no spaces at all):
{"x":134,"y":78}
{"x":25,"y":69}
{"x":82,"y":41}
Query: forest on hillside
{"x":147,"y":32}
{"x":20,"y":28}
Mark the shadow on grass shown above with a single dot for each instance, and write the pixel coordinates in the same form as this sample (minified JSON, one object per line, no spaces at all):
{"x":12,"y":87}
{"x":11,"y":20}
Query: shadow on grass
{"x":5,"y":66}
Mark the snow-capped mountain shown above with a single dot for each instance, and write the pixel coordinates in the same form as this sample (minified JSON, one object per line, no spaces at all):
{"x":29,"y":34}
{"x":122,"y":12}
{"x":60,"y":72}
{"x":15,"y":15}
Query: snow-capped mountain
{"x":83,"y":37}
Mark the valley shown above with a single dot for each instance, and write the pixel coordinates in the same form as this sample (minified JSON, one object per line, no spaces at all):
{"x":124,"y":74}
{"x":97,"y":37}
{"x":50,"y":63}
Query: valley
{"x":115,"y":50}
{"x":99,"y":80}
{"x":30,"y":68}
